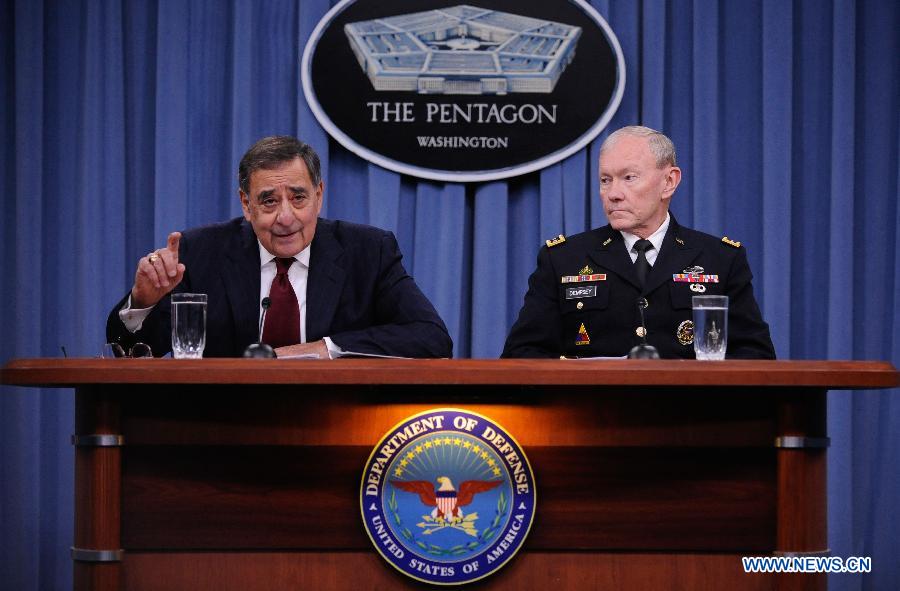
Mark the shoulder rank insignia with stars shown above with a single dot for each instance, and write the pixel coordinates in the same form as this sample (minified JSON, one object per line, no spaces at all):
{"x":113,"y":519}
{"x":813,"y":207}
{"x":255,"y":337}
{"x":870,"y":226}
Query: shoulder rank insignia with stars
{"x":731,"y":242}
{"x":606,"y":242}
{"x":558,"y":240}
{"x":679,"y":241}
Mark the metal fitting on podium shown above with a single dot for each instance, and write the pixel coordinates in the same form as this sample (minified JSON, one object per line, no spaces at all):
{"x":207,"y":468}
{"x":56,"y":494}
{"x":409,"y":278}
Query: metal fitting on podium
{"x":798,"y":442}
{"x":98,"y":440}
{"x":91,"y":555}
{"x":813,"y":553}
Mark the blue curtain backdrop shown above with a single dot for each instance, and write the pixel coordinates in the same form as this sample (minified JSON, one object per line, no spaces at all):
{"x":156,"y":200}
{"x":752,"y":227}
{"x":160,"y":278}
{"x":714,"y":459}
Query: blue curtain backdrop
{"x":124,"y":120}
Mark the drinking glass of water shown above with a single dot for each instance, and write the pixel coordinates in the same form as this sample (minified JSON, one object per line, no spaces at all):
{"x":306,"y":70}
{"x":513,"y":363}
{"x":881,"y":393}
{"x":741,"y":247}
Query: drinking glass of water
{"x":188,"y":325}
{"x":710,"y":326}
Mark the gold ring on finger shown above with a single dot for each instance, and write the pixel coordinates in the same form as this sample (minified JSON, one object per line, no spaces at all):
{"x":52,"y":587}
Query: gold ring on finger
{"x":153,"y":257}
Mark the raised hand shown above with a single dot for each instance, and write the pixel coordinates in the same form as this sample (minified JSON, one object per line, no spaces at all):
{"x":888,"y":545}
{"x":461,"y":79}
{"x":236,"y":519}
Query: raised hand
{"x":157,"y":274}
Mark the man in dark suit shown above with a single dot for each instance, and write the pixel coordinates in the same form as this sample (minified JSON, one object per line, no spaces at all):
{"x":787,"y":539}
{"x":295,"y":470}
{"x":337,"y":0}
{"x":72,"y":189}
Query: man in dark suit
{"x":333,"y":287}
{"x":583,"y":299}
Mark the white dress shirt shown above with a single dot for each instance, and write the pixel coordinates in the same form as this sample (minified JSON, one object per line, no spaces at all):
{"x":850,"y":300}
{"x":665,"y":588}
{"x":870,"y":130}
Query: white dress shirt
{"x":656,"y":239}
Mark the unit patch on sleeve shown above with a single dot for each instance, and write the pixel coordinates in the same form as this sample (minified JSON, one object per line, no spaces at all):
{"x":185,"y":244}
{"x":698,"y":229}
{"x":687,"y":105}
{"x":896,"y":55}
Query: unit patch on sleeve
{"x":583,"y":338}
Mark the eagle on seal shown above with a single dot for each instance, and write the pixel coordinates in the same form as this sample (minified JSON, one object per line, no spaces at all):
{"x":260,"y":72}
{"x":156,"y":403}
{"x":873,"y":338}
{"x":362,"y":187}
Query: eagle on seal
{"x":446,"y":500}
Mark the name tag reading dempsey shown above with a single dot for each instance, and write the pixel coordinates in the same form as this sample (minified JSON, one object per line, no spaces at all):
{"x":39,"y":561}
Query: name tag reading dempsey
{"x":583,"y":291}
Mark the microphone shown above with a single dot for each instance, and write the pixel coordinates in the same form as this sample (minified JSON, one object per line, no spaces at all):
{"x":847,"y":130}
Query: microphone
{"x":260,"y":350}
{"x":265,"y":303}
{"x":644,"y":350}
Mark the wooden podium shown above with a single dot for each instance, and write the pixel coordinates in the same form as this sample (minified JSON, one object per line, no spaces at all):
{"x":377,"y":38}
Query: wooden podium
{"x":245,"y":474}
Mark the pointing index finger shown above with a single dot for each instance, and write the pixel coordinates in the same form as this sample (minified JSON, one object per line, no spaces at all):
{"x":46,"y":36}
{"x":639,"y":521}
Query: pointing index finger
{"x":174,"y":240}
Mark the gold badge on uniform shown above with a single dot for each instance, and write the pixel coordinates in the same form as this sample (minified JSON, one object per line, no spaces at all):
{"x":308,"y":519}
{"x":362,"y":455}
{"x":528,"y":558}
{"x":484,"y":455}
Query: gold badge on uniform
{"x":586,"y":270}
{"x":685,"y":332}
{"x":730,"y":242}
{"x":583,"y":338}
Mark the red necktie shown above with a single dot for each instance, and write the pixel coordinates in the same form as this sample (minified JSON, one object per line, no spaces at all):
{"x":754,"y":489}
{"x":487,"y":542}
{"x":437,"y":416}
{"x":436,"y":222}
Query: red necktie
{"x":282,"y":326}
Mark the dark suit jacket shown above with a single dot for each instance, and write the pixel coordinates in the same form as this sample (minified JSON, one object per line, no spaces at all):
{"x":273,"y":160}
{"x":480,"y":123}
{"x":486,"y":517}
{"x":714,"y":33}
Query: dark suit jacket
{"x":549,"y":323}
{"x":358,"y":294}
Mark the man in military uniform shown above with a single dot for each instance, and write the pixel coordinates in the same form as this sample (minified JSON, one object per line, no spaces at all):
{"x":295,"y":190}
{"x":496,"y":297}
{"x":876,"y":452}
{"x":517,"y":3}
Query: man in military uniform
{"x":583,"y":300}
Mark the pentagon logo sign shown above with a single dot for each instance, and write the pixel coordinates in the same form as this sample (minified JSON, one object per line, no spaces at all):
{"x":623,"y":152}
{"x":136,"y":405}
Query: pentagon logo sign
{"x":463,"y":92}
{"x":447,"y":496}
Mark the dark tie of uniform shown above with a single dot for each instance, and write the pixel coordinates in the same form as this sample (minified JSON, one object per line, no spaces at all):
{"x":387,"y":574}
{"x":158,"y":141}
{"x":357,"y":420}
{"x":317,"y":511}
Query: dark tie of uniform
{"x":282,"y":326}
{"x":641,"y":265}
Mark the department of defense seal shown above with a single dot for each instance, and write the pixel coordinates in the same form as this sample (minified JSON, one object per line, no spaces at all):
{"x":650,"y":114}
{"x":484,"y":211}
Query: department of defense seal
{"x":447,"y":496}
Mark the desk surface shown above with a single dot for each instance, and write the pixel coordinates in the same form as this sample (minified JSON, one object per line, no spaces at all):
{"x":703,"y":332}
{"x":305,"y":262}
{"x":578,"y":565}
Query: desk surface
{"x":638,"y":488}
{"x":839,"y":375}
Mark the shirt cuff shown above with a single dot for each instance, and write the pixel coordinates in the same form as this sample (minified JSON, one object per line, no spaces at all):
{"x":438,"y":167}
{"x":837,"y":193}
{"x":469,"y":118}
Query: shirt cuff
{"x":133,"y":319}
{"x":333,"y":350}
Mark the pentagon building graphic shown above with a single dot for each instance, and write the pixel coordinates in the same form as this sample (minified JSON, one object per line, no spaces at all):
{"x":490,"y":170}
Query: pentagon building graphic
{"x":463,"y":50}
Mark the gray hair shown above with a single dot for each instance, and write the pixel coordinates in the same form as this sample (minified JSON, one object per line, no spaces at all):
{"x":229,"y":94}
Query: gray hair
{"x":271,"y":152}
{"x":660,"y":145}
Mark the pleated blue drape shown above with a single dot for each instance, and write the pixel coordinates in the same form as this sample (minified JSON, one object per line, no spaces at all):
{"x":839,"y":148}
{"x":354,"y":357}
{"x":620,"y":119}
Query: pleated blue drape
{"x":122,"y":121}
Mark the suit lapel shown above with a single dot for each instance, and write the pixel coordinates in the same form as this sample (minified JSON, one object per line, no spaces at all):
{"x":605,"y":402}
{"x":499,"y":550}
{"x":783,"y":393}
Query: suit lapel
{"x":325,"y":281}
{"x":612,"y":256}
{"x":240,"y":274}
{"x":674,"y":255}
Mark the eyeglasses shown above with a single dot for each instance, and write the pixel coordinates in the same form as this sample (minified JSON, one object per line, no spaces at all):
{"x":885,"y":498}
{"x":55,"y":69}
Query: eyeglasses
{"x":111,"y":350}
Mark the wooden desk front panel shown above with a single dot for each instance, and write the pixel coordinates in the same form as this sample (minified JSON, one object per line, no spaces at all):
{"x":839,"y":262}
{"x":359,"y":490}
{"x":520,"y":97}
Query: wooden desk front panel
{"x":366,"y":571}
{"x":279,"y":467}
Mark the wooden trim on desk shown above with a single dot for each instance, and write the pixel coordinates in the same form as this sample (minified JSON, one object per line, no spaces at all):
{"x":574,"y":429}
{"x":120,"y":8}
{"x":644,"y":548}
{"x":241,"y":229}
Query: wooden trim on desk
{"x":738,"y":373}
{"x":98,"y":494}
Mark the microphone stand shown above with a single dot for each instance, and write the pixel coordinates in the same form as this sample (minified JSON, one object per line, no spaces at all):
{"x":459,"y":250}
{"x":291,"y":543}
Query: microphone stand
{"x":644,"y":350}
{"x":260,"y":350}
